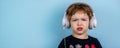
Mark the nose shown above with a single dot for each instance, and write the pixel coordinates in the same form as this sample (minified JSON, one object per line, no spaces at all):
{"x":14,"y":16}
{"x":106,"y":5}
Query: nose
{"x":79,"y":23}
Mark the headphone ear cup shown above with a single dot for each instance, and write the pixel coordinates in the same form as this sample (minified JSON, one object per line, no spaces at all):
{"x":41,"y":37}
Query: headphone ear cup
{"x":93,"y":22}
{"x":65,"y":21}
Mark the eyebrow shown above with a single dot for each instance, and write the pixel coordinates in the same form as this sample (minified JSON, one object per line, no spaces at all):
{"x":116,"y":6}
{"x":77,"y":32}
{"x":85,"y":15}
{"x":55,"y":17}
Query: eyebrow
{"x":78,"y":18}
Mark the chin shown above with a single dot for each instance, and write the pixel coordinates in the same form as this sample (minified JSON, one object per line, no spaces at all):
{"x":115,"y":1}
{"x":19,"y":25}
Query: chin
{"x":80,"y":32}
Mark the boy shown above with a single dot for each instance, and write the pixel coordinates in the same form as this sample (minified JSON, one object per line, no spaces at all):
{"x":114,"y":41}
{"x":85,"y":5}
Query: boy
{"x":79,"y":17}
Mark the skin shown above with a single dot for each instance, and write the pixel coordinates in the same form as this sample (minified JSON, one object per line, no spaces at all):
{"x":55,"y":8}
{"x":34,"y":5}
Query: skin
{"x":80,"y":19}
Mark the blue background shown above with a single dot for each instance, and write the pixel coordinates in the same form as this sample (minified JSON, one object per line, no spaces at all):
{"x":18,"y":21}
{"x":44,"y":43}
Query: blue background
{"x":37,"y":23}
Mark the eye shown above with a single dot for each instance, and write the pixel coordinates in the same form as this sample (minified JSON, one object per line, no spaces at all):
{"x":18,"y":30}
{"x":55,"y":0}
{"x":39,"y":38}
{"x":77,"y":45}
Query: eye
{"x":75,"y":20}
{"x":84,"y":19}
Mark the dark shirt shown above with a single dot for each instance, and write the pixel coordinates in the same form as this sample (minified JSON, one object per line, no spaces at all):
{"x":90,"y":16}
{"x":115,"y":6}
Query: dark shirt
{"x":72,"y":42}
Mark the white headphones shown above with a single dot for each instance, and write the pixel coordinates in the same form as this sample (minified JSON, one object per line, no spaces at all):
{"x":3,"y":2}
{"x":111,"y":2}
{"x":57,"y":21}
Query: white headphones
{"x":65,"y":22}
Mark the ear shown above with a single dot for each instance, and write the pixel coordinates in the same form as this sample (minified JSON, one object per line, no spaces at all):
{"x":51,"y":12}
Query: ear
{"x":93,"y":22}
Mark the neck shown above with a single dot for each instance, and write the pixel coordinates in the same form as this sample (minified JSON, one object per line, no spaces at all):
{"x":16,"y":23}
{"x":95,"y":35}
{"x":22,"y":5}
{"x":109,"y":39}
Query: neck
{"x":80,"y":36}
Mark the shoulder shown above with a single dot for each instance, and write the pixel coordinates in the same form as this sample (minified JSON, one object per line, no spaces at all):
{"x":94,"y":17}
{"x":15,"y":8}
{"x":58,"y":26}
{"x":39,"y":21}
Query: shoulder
{"x":93,"y":38}
{"x":96,"y":41}
{"x":63,"y":42}
{"x":68,"y":38}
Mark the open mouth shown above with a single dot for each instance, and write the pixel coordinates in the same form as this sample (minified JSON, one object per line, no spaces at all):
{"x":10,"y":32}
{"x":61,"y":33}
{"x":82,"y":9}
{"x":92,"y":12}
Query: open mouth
{"x":79,"y":28}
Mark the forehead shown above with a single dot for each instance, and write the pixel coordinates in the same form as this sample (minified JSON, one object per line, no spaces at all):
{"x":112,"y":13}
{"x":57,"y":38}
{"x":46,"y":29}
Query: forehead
{"x":80,"y":14}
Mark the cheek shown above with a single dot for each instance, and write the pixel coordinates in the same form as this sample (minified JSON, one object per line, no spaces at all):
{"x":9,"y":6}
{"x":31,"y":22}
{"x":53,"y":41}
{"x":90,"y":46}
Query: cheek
{"x":73,"y":25}
{"x":86,"y":24}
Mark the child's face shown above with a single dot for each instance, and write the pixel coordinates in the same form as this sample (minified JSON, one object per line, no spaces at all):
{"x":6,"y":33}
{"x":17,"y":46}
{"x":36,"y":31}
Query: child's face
{"x":79,"y":22}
